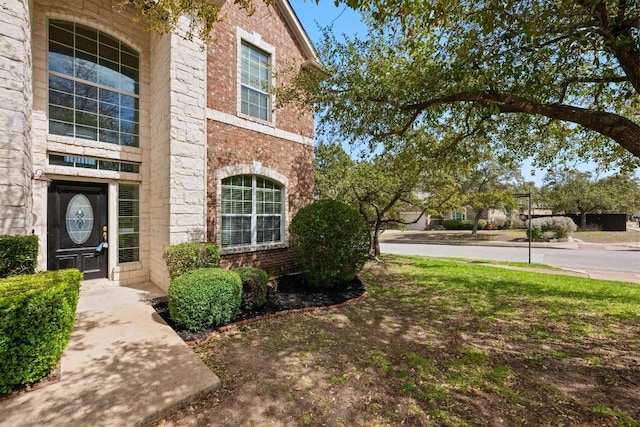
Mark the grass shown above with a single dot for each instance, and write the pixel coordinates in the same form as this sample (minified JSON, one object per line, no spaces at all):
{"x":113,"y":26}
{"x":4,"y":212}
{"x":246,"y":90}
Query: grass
{"x":437,"y":342}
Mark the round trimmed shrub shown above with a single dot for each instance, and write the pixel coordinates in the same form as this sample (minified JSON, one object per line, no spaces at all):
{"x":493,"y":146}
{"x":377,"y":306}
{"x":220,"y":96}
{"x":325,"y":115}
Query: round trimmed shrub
{"x":190,"y":256}
{"x":331,"y":242}
{"x":254,"y":286}
{"x":205,"y":297}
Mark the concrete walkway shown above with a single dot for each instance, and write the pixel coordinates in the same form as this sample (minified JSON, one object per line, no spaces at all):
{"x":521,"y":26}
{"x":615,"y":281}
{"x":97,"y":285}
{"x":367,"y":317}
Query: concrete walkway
{"x":124,"y":366}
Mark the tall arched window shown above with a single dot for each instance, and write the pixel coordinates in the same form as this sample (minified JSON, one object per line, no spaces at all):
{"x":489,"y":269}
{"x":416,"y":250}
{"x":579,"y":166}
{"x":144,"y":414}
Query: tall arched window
{"x":251,"y":211}
{"x":93,"y":85}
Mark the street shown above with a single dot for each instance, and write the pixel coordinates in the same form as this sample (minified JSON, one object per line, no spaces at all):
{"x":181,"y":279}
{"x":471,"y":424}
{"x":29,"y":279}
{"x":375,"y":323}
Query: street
{"x":584,"y":259}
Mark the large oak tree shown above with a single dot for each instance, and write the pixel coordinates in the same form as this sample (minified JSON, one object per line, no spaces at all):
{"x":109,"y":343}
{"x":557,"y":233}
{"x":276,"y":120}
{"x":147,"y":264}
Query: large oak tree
{"x":552,"y":79}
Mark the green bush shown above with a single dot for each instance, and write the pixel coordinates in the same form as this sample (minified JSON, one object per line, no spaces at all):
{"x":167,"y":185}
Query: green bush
{"x":331,"y":242}
{"x":185,"y":257}
{"x":254,"y":286}
{"x":467,"y":224}
{"x":550,"y":227}
{"x":18,"y":255}
{"x":451,"y":224}
{"x":37,"y":314}
{"x":205,"y":297}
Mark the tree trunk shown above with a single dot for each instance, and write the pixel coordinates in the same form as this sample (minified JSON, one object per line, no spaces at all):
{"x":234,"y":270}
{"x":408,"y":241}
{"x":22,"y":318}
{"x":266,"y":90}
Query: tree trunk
{"x":583,"y":220}
{"x":374,"y":250}
{"x":476,"y":219}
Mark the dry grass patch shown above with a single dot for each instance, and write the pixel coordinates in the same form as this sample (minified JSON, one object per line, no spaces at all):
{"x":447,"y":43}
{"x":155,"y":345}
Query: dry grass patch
{"x":438,"y":342}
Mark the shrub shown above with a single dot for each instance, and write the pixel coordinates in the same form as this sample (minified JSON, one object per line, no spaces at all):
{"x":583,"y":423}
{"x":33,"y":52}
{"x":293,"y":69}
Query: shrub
{"x":451,"y":224}
{"x":185,"y":257}
{"x":205,"y":297}
{"x":550,"y":227}
{"x":331,"y":242}
{"x":18,"y":255}
{"x":467,"y":224}
{"x":514,"y":223}
{"x":38,"y":312}
{"x":254,"y":286}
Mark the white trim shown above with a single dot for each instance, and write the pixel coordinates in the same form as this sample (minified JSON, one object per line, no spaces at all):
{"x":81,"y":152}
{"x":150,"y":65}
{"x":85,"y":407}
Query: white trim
{"x":299,"y":32}
{"x":254,"y":39}
{"x":254,"y":170}
{"x":243,"y":123}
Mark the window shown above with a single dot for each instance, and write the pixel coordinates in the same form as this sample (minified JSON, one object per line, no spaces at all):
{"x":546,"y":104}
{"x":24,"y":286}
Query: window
{"x":92,"y":163}
{"x":93,"y":85}
{"x":252,"y":209}
{"x":128,"y":223}
{"x":458,"y":216}
{"x":255,"y":82}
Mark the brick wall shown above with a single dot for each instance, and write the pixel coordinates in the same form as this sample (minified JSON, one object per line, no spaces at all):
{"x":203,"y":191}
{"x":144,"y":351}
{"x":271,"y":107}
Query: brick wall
{"x":284,"y":146}
{"x":275,"y":262}
{"x":222,"y":75}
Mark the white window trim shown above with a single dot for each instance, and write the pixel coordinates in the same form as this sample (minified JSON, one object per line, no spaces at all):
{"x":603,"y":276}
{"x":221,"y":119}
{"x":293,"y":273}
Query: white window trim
{"x":255,"y":40}
{"x":256,"y":170}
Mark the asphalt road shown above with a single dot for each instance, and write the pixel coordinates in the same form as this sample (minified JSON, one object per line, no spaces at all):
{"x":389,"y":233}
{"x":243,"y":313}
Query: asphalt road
{"x":593,"y":258}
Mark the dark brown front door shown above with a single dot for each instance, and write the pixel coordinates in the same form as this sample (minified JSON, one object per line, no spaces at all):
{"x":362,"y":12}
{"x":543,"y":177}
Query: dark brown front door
{"x":77,"y":221}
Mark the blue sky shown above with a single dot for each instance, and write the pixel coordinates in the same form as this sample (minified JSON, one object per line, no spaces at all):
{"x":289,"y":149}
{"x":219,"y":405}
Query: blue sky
{"x":343,"y":19}
{"x":347,"y":21}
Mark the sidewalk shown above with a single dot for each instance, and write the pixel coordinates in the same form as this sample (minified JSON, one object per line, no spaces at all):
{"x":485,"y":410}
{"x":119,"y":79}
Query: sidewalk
{"x":124,"y":366}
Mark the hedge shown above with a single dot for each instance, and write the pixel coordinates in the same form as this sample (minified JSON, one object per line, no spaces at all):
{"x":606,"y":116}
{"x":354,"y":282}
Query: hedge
{"x":37,"y":314}
{"x":190,"y":256}
{"x":18,"y":255}
{"x":206,"y":297}
{"x":465,"y":224}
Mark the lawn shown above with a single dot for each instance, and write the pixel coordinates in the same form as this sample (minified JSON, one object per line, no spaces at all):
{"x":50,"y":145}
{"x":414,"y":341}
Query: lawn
{"x":437,"y":342}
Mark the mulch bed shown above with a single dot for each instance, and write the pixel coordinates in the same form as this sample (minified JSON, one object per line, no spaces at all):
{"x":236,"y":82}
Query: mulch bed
{"x":286,"y":295}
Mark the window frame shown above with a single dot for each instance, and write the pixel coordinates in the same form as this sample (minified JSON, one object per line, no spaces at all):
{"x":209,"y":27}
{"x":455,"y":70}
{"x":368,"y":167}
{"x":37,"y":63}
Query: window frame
{"x":98,"y":93}
{"x":254,"y":240}
{"x":255,"y":41}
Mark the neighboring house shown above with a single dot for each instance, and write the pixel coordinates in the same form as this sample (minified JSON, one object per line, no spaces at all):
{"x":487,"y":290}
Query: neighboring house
{"x":427,"y":222}
{"x":113,"y":134}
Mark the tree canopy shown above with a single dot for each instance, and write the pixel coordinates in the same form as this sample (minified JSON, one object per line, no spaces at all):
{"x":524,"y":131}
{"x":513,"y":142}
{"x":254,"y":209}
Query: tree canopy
{"x":571,"y":191}
{"x":382,"y":185}
{"x":557,"y":80}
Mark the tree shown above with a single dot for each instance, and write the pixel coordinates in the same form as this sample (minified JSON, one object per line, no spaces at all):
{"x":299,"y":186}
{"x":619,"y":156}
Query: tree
{"x":625,"y":190}
{"x":571,"y":191}
{"x":164,"y":16}
{"x":490,"y":185}
{"x":549,"y":79}
{"x":383,"y":185}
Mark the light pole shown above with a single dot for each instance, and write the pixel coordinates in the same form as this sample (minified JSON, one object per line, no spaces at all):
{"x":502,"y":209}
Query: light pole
{"x":528,"y":196}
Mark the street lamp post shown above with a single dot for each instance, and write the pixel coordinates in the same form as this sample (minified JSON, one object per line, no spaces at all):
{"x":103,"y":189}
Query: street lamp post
{"x":528,"y":196}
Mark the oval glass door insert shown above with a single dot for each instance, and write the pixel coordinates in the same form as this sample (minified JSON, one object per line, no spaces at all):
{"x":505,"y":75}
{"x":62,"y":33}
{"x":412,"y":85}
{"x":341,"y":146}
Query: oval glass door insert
{"x":79,"y":219}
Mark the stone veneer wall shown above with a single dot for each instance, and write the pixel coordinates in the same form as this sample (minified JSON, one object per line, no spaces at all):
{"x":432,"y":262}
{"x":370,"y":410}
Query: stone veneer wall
{"x":16,"y":101}
{"x":178,"y":156}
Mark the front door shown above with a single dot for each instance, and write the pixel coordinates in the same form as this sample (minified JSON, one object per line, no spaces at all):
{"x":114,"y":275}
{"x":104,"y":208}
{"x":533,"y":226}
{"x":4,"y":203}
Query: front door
{"x":77,"y":228}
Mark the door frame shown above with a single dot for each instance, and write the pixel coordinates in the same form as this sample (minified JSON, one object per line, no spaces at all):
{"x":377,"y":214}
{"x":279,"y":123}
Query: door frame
{"x":54,"y":219}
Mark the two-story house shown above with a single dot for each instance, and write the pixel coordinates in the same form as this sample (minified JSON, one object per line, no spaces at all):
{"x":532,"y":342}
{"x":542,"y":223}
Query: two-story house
{"x":117,"y":141}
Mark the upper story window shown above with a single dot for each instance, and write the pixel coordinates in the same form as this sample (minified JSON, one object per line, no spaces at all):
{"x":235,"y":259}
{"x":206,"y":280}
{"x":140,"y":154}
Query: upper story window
{"x":251,"y":212}
{"x":255,"y":82}
{"x":93,"y":85}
